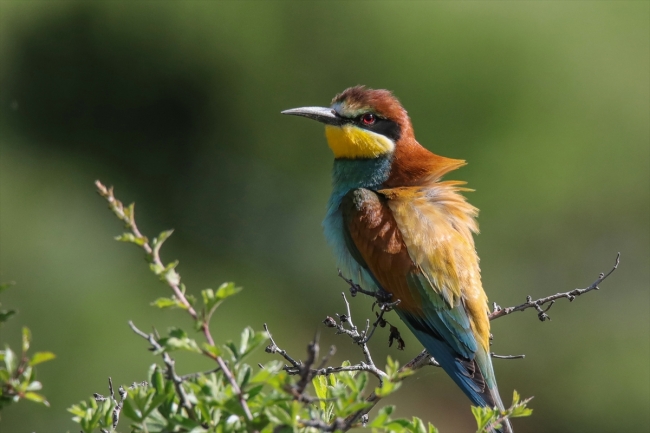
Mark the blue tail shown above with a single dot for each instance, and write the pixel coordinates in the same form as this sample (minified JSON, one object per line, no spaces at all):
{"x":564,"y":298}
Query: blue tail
{"x":474,"y":375}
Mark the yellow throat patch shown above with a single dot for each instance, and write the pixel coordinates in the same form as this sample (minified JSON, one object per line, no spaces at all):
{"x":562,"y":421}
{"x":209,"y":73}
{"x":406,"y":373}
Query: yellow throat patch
{"x":352,"y":142}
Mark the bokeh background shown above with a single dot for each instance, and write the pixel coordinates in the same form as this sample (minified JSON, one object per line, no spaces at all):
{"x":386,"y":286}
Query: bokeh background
{"x":177,"y":105}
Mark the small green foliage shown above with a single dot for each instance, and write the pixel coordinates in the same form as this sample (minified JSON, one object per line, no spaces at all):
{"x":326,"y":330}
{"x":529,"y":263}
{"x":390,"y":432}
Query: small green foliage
{"x":39,"y":357}
{"x":249,"y":341}
{"x":518,"y":408}
{"x":235,"y":396}
{"x":490,"y":418}
{"x":384,"y":423}
{"x":162,"y":237}
{"x":178,"y":340}
{"x":91,"y":415}
{"x":17,"y":375}
{"x":130,"y":237}
{"x":212,"y":299}
{"x":168,"y":303}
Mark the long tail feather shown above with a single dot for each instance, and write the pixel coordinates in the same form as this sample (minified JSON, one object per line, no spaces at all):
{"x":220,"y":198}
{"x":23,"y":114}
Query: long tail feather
{"x":475,"y":377}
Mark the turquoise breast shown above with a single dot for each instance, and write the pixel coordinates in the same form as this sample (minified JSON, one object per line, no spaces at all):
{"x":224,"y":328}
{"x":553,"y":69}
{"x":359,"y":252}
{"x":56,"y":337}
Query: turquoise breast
{"x":349,"y":174}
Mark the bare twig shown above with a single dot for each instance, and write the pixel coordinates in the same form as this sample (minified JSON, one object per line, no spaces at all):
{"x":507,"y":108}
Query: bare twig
{"x":380,"y":295}
{"x":273,"y":348}
{"x":297,"y":367}
{"x":494,"y":355}
{"x":537,"y":304}
{"x":305,"y":370}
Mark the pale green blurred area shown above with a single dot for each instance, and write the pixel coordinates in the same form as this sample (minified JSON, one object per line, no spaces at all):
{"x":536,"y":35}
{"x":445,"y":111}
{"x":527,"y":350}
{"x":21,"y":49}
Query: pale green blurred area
{"x":177,"y":105}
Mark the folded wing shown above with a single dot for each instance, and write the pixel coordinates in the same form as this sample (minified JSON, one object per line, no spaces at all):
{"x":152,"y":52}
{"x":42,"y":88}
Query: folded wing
{"x":417,"y":244}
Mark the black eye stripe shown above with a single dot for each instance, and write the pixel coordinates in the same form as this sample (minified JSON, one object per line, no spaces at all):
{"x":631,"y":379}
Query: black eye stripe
{"x":382,"y":126}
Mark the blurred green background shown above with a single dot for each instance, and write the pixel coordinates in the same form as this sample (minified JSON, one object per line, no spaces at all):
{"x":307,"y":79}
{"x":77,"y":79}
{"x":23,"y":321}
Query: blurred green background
{"x":177,"y":105}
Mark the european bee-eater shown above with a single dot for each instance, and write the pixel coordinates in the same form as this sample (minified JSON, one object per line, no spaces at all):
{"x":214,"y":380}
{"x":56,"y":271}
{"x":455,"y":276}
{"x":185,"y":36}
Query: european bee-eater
{"x":395,"y":226}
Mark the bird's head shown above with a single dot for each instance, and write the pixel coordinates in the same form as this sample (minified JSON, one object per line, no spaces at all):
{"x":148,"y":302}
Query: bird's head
{"x":361,"y":123}
{"x":365,"y":124}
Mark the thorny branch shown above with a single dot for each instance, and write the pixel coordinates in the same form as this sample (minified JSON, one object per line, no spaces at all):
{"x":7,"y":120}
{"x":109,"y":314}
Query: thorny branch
{"x":537,"y":304}
{"x":298,"y":368}
{"x":383,"y":300}
{"x":171,"y":277}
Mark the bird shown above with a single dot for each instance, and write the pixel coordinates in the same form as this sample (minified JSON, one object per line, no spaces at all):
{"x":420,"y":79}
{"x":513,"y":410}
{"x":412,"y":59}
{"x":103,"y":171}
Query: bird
{"x":397,"y":228}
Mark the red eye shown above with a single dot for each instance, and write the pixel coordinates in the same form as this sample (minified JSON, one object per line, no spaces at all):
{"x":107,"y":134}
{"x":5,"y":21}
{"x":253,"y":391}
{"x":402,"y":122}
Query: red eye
{"x":368,"y":119}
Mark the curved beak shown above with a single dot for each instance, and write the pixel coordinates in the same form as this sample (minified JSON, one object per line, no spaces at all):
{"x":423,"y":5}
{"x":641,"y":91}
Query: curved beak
{"x":322,"y":114}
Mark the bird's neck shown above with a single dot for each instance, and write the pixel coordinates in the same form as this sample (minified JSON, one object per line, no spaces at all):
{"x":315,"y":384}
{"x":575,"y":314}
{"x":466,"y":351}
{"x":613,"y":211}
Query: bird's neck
{"x":348,"y":174}
{"x":410,"y":165}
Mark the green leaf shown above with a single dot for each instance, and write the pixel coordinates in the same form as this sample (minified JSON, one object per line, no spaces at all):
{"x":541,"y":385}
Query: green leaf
{"x":10,"y":360}
{"x":27,"y":338}
{"x":125,"y":237}
{"x":243,"y":375}
{"x":168,"y":303}
{"x":77,"y":410}
{"x":38,"y":398}
{"x":213,"y":350}
{"x":130,"y":237}
{"x":212,"y":299}
{"x":418,"y":425}
{"x":170,"y":275}
{"x":483,"y":416}
{"x":162,"y":237}
{"x":232,"y":348}
{"x":519,"y":409}
{"x":131,"y":412}
{"x":362,"y":379}
{"x":157,"y":268}
{"x":158,"y":381}
{"x":392,"y":367}
{"x":254,"y":391}
{"x":227,"y":290}
{"x":178,"y":340}
{"x":41,"y":357}
{"x":320,"y":386}
{"x":383,"y":416}
{"x":250,"y":340}
{"x":387,"y":388}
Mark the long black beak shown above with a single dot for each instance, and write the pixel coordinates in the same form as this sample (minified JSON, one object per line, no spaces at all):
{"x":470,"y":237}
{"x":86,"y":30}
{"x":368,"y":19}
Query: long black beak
{"x":322,"y":114}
